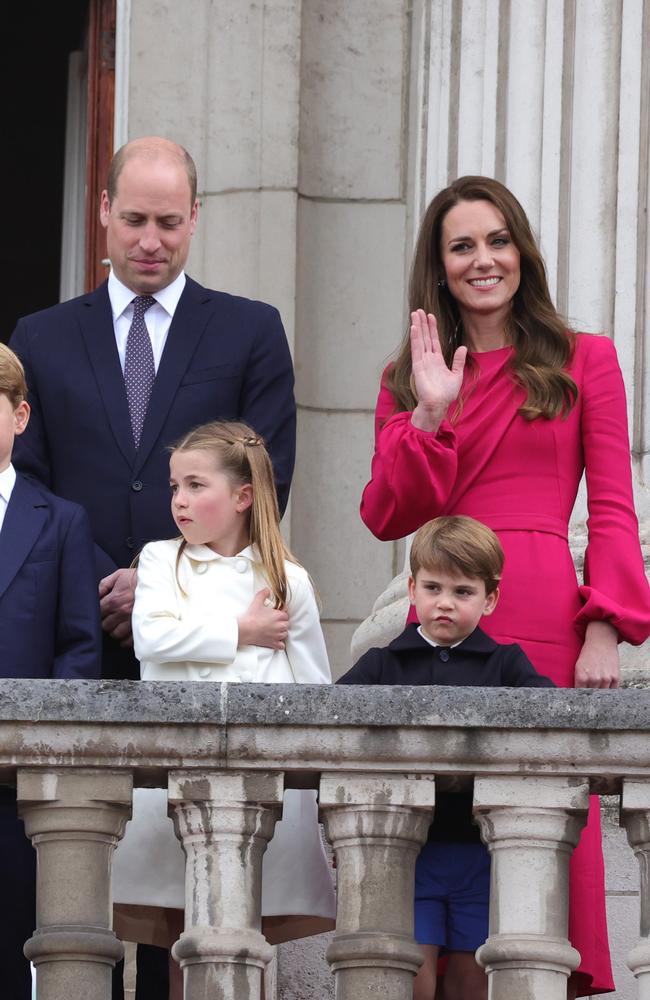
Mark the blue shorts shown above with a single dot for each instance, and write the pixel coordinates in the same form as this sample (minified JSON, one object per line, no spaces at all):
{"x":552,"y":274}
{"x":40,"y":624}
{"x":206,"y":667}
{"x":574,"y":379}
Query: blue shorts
{"x":452,"y":895}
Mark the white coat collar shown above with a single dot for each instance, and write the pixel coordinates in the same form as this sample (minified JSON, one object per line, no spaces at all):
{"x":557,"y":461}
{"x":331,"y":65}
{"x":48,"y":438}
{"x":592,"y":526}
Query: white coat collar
{"x":203,"y":553}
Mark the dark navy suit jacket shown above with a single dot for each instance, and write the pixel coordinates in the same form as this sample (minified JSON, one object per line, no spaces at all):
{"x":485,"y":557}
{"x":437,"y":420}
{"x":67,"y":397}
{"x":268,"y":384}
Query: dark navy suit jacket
{"x":49,"y":611}
{"x":225,"y":357}
{"x":477,"y":661}
{"x":49,"y":627}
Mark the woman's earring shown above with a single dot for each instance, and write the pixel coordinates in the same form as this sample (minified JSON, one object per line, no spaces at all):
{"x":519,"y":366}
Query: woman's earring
{"x":442,"y":282}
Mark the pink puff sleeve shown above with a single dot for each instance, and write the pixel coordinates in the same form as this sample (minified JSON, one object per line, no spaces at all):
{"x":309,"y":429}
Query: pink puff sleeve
{"x":412,"y":474}
{"x":615,"y":586}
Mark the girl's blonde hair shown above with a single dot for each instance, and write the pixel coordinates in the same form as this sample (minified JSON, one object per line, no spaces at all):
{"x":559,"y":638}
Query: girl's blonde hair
{"x":241,"y":455}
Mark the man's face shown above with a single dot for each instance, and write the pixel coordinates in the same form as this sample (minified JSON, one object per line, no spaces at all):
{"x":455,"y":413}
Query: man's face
{"x":149,"y":223}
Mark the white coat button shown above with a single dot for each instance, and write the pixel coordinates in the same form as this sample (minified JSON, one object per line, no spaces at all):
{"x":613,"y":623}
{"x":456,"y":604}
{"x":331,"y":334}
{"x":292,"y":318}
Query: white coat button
{"x":241,"y":565}
{"x":202,"y":568}
{"x":205,"y":672}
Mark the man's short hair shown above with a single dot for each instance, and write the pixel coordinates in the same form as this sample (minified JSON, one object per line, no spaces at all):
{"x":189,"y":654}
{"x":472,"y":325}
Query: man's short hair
{"x":458,"y":545}
{"x":152,"y":148}
{"x":12,"y":377}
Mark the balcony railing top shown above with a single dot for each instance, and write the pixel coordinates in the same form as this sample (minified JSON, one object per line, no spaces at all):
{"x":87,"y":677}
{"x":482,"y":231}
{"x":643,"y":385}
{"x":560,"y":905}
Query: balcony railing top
{"x":152,"y":727}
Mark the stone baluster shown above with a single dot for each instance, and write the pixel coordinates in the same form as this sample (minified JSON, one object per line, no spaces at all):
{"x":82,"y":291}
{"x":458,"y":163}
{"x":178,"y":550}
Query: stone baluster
{"x":635,"y":817}
{"x":531,"y":826}
{"x":75,"y":818}
{"x":224,"y":821}
{"x":376,"y":825}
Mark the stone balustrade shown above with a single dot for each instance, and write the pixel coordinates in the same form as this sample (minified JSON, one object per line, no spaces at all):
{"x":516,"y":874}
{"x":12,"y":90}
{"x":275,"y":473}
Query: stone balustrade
{"x":225,"y":753}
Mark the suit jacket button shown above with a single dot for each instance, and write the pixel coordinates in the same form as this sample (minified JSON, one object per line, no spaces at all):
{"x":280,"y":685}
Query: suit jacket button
{"x":202,"y":568}
{"x":130,"y":542}
{"x":136,"y":485}
{"x":204,"y":672}
{"x":444,"y":655}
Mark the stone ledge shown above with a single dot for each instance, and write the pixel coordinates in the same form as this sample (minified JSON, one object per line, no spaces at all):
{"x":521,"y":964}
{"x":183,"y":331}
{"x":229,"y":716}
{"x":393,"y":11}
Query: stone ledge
{"x":180,"y":703}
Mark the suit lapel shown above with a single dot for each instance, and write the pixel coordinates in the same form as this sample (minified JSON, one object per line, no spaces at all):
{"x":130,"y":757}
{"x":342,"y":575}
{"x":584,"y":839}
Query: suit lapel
{"x":24,"y":519}
{"x":187,"y":327}
{"x":96,"y":320}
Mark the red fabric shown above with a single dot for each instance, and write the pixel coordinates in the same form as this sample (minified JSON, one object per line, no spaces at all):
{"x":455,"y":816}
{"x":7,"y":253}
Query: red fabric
{"x":521,"y":479}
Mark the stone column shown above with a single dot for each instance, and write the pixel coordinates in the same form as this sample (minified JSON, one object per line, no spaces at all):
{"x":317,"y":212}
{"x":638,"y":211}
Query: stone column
{"x":74,"y":819}
{"x":224,"y":821}
{"x":530,"y":825}
{"x":376,"y":825}
{"x":635,"y":817}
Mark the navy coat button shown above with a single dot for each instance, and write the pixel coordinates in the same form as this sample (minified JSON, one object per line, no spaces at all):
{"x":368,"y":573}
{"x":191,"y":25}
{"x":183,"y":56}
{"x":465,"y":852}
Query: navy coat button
{"x":130,"y":542}
{"x":136,"y":485}
{"x":444,"y":655}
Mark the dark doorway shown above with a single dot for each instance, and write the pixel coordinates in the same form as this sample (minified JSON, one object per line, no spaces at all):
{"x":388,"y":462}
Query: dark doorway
{"x":38,"y":38}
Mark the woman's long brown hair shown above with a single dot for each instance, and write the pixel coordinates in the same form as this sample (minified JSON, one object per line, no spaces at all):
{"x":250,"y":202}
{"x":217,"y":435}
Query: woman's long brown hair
{"x":241,"y":455}
{"x":542,"y":343}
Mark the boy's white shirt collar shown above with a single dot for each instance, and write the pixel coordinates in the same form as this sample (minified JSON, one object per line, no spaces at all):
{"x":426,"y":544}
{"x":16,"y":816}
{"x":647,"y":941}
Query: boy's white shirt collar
{"x":433,"y":643}
{"x":121,"y":297}
{"x":7,"y":482}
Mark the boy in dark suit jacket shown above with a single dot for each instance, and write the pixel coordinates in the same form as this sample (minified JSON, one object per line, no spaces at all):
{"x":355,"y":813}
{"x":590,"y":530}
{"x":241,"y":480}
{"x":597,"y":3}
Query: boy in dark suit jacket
{"x":456,"y":565}
{"x":49,"y":627}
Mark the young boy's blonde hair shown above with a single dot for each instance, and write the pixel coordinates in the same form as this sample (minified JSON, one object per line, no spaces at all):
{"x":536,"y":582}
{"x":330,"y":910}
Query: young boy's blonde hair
{"x":12,"y":377}
{"x":458,"y":544}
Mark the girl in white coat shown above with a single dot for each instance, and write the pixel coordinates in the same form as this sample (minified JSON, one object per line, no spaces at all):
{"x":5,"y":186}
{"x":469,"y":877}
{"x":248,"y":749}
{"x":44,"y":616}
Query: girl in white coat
{"x":224,"y":602}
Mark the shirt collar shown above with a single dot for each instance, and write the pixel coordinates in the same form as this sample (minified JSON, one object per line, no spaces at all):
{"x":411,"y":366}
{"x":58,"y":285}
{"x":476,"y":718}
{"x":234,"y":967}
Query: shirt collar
{"x":7,"y":482}
{"x":121,"y":297}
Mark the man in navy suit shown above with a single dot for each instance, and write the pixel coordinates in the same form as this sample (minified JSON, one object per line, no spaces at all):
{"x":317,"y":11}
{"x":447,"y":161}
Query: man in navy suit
{"x":49,"y":627}
{"x":215,"y":356}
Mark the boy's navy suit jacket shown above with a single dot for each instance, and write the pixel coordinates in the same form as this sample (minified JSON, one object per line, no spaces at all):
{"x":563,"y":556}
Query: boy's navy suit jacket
{"x":49,"y":610}
{"x":477,"y":661}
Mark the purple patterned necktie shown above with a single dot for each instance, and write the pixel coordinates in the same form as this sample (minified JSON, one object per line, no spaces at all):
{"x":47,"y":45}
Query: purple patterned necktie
{"x":139,"y":368}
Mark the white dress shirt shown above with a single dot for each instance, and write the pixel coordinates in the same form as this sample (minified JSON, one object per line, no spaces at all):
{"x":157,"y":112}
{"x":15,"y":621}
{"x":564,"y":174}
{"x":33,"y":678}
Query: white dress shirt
{"x":158,"y":317}
{"x":7,"y":483}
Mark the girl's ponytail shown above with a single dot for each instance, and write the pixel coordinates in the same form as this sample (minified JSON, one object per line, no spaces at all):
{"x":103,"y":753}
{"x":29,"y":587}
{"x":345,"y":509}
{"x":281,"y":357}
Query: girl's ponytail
{"x":243,"y":457}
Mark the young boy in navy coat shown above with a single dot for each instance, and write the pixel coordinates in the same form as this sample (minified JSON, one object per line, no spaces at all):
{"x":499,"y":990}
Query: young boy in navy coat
{"x":456,"y":565}
{"x":49,"y":627}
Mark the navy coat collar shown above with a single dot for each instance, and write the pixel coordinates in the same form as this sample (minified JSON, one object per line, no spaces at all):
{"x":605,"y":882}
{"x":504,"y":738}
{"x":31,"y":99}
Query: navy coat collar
{"x":411,"y":641}
{"x":24,"y":520}
{"x":190,"y":320}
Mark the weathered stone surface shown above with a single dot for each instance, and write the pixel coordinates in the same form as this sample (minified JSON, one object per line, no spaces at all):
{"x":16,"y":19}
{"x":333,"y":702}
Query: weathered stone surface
{"x":142,"y":702}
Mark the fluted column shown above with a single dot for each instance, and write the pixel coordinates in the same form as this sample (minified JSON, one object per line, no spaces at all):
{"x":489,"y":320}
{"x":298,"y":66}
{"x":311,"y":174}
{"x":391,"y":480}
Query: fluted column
{"x":530,"y":825}
{"x":224,"y":821}
{"x":376,"y":825}
{"x":74,"y":819}
{"x":635,"y":817}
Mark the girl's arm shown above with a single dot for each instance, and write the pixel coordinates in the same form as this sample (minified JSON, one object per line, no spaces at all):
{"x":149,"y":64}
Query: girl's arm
{"x":305,"y":646}
{"x":159,"y":633}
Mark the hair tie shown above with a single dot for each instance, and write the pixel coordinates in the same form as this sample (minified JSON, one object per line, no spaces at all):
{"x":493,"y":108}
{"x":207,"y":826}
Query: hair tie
{"x":251,"y":442}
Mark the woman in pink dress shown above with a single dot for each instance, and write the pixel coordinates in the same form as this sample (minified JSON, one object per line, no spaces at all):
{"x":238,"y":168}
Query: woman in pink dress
{"x":494,"y":409}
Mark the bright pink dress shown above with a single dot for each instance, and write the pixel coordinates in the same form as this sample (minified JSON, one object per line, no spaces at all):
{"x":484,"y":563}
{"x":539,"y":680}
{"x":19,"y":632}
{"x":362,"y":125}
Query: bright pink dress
{"x":521,"y":478}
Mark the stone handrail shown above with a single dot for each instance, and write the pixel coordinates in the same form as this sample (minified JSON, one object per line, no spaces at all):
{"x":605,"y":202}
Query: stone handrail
{"x":75,"y":750}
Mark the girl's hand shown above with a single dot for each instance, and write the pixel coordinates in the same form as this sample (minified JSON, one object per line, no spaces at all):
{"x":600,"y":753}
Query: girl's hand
{"x":598,"y":665}
{"x":436,"y":385}
{"x":262,"y":624}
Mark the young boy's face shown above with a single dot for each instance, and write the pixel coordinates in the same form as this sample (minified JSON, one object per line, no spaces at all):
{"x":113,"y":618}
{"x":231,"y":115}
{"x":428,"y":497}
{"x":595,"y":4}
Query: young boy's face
{"x":13,"y":420}
{"x":449,"y":606}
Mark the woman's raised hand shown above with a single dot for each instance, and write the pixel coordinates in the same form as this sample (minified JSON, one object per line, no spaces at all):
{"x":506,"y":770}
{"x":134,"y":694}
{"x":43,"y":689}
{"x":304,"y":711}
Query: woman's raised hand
{"x":436,"y":385}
